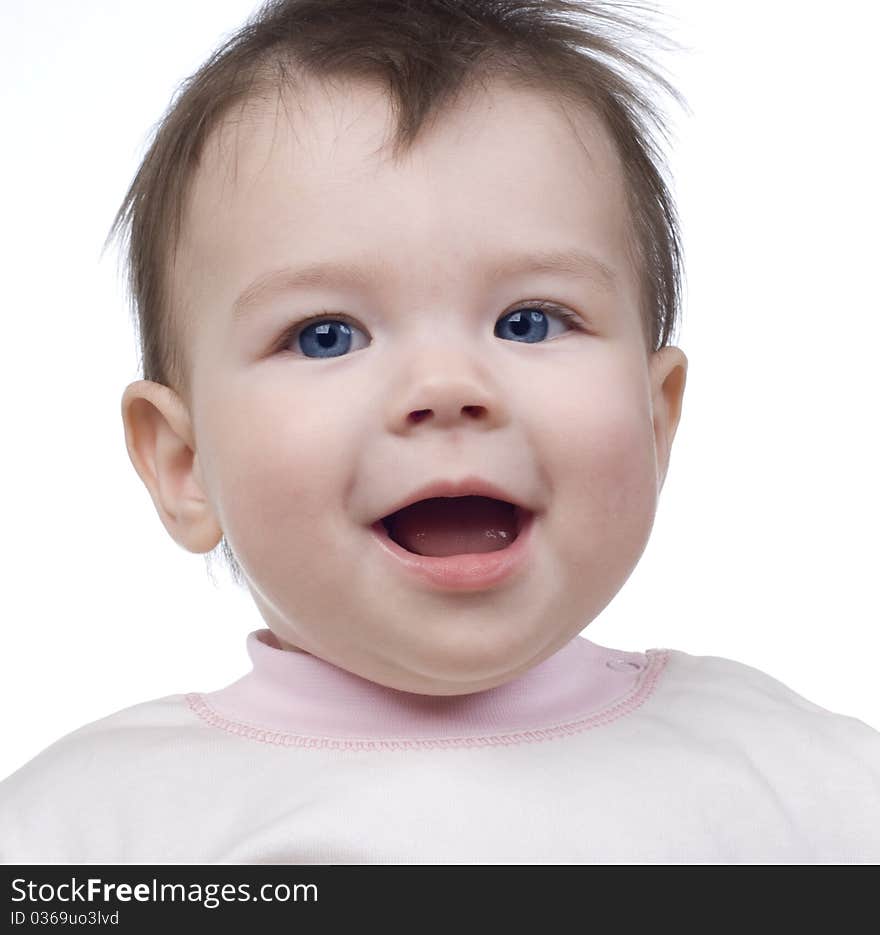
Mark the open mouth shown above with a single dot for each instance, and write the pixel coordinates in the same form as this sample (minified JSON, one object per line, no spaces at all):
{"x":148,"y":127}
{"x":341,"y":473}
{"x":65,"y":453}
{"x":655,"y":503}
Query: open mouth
{"x":442,"y":526}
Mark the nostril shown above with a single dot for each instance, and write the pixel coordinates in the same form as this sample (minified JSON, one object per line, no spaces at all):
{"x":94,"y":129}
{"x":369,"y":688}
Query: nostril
{"x":418,"y":415}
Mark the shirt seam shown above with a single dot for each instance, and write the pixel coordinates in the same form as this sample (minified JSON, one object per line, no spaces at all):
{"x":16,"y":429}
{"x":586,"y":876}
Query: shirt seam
{"x":644,"y":688}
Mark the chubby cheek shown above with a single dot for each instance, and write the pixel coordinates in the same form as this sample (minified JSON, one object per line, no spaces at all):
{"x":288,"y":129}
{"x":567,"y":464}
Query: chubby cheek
{"x":283,"y":480}
{"x":604,"y":490}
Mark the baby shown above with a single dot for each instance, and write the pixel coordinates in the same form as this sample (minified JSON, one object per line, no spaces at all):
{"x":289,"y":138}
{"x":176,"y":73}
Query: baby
{"x":406,"y":277}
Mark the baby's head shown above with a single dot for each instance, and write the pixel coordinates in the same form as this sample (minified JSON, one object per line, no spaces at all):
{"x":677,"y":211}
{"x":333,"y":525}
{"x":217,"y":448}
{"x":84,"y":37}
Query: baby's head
{"x":465,"y":198}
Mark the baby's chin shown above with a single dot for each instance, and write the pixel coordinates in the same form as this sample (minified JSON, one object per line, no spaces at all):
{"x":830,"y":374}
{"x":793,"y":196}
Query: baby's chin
{"x":289,"y":647}
{"x":442,"y":676}
{"x":440,"y":661}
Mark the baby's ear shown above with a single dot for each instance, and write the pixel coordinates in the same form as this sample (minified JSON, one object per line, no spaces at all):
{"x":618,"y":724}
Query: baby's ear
{"x":161,"y":446}
{"x":668,"y":378}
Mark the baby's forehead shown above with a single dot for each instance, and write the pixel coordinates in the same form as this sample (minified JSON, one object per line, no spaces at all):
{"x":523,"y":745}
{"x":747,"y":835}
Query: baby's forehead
{"x":320,"y":120}
{"x":299,"y":179}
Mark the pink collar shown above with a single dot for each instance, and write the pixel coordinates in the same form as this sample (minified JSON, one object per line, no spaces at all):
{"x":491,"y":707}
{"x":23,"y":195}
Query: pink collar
{"x":297,"y":698}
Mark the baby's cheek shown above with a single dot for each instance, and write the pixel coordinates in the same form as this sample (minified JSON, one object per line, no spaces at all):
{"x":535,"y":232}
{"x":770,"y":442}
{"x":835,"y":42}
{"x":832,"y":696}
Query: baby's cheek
{"x":277,"y":492}
{"x":607,"y":494}
{"x":626,"y":480}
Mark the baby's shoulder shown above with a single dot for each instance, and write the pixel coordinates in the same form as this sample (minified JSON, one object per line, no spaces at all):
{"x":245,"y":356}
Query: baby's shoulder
{"x":92,"y":766}
{"x":714,"y":690}
{"x":141,"y":731}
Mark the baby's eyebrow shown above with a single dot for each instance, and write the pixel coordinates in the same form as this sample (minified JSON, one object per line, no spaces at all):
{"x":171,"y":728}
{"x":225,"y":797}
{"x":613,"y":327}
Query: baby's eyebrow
{"x":572,"y":262}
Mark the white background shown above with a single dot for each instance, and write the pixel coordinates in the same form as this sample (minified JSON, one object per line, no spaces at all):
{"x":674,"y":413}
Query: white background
{"x":765,"y":546}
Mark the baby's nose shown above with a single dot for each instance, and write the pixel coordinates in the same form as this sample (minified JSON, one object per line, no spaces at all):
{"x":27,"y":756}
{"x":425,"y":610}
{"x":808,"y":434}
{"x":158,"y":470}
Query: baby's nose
{"x":449,"y":402}
{"x":445,"y":385}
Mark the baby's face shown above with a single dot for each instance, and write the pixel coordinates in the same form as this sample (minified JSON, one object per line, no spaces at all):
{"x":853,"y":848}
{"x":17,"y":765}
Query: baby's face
{"x":301,"y":448}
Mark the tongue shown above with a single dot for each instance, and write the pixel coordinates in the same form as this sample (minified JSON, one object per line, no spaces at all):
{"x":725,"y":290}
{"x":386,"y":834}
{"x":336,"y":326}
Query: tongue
{"x":454,"y":526}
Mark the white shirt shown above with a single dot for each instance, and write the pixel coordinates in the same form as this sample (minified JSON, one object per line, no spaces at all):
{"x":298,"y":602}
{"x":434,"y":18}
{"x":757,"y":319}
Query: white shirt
{"x":593,"y":756}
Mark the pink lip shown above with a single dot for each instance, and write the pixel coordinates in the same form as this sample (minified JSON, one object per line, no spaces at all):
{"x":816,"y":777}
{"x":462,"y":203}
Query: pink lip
{"x":468,"y":572}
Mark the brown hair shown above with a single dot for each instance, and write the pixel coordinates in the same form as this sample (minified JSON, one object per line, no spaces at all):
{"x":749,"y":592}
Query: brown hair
{"x":425,"y":52}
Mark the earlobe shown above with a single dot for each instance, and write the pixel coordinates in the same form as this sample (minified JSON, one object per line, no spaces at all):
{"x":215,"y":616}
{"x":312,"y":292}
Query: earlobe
{"x":160,"y":442}
{"x":668,"y":378}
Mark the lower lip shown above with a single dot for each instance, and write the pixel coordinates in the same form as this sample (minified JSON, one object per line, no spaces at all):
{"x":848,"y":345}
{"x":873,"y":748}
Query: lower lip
{"x":472,"y":571}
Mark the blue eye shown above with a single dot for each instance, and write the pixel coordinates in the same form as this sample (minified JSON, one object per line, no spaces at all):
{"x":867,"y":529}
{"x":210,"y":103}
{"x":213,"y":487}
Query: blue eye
{"x":327,"y":336}
{"x":530,"y":321}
